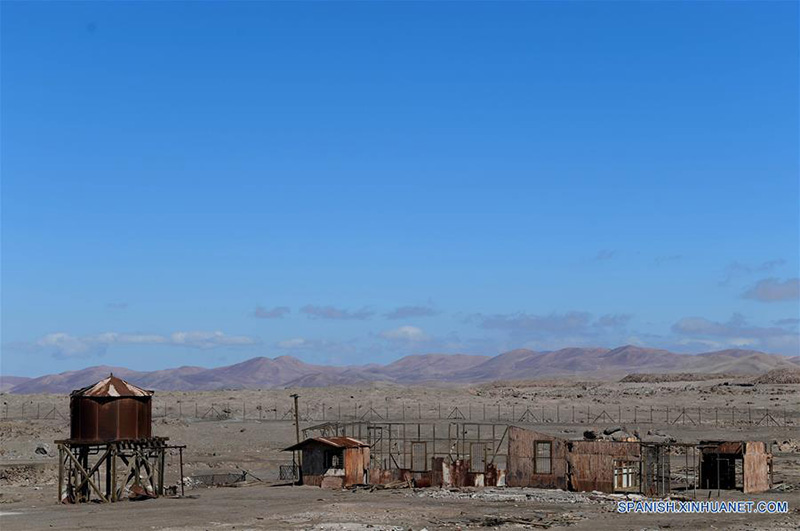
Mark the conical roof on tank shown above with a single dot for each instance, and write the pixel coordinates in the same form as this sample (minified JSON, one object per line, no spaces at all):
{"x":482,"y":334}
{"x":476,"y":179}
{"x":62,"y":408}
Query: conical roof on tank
{"x":112,"y":387}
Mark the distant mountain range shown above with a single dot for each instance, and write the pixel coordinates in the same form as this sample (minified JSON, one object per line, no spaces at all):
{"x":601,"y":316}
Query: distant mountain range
{"x":521,"y":364}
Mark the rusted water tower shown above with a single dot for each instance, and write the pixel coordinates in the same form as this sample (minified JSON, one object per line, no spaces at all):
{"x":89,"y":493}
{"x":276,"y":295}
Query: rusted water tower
{"x":109,"y":410}
{"x":111,"y":424}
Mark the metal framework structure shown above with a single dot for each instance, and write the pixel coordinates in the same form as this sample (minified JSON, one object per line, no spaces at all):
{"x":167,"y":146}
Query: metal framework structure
{"x":106,"y":471}
{"x":412,"y":445}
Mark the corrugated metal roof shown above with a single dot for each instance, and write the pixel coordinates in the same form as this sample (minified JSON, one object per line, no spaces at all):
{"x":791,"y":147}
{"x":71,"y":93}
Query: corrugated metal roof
{"x":336,"y":442}
{"x":112,"y":387}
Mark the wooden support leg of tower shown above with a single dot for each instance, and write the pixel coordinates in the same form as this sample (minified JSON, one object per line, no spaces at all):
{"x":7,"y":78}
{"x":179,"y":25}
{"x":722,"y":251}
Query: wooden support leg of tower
{"x":162,"y":456}
{"x":180,"y":450}
{"x":60,"y":472}
{"x":87,"y":477}
{"x":94,"y":469}
{"x":109,"y":459}
{"x":114,"y":474}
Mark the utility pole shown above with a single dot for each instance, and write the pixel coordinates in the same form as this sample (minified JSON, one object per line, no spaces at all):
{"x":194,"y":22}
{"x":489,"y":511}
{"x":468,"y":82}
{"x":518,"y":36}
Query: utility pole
{"x":298,"y":457}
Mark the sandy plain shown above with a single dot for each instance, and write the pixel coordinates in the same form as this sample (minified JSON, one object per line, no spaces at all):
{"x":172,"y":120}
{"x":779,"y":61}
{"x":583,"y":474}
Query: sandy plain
{"x":230,"y":431}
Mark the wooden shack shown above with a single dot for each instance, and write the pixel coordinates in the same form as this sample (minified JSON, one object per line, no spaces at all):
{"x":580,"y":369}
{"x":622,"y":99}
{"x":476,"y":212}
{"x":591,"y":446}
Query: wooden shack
{"x":736,"y":465}
{"x":536,"y":460}
{"x":333,"y":462}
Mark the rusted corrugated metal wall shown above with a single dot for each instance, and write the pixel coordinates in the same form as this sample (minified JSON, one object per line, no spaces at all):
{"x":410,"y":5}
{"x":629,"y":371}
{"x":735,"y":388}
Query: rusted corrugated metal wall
{"x":109,"y":419}
{"x":591,"y":463}
{"x":521,"y":458}
{"x":356,"y":461}
{"x":756,"y":467}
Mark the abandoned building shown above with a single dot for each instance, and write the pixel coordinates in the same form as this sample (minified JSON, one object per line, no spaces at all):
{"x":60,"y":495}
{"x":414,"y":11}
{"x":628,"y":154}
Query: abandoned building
{"x":456,"y":454}
{"x":466,"y":454}
{"x":333,"y":462}
{"x":540,"y":460}
{"x":111,"y":432}
{"x":745,"y":466}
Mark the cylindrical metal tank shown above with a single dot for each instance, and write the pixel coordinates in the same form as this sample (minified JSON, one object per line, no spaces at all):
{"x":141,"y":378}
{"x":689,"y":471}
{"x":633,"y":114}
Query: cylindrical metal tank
{"x":112,"y":409}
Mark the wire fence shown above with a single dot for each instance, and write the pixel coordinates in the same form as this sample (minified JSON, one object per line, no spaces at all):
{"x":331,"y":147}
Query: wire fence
{"x":511,"y":413}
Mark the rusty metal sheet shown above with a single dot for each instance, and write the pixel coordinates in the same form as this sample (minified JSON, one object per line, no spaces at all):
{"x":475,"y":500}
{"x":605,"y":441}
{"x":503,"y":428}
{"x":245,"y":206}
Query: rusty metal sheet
{"x":109,"y":419}
{"x":356,"y":462}
{"x":112,"y":387}
{"x":756,"y":467}
{"x":609,"y":448}
{"x":521,"y":460}
{"x":335,"y":442}
{"x":591,"y":472}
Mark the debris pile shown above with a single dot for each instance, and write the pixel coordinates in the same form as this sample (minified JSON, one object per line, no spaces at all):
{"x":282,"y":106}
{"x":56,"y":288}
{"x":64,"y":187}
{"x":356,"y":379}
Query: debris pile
{"x":673,"y":377}
{"x":779,"y":376}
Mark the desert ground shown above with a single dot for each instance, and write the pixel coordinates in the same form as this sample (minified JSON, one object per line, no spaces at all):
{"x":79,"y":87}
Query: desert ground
{"x":231,"y":431}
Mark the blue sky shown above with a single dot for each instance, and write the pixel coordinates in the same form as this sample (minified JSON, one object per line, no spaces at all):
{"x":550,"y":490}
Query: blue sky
{"x":200,"y":183}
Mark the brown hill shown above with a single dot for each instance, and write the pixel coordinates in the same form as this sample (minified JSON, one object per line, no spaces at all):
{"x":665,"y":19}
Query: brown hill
{"x":8,"y":382}
{"x":520,"y":364}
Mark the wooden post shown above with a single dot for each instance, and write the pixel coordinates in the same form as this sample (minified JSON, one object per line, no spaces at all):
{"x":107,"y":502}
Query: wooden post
{"x":113,"y":458}
{"x":180,"y":453}
{"x":108,"y":474}
{"x":60,"y":470}
{"x":161,"y":472}
{"x":299,"y":459}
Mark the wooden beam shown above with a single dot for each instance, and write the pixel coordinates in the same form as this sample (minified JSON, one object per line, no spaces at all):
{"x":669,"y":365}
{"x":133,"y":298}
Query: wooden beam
{"x":87,"y":476}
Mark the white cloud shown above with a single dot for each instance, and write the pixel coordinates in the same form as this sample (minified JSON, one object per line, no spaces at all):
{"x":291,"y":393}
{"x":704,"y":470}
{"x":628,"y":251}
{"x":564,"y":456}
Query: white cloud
{"x":774,"y":290}
{"x":297,"y":342}
{"x":404,"y":333}
{"x":63,"y":345}
{"x":736,"y":332}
